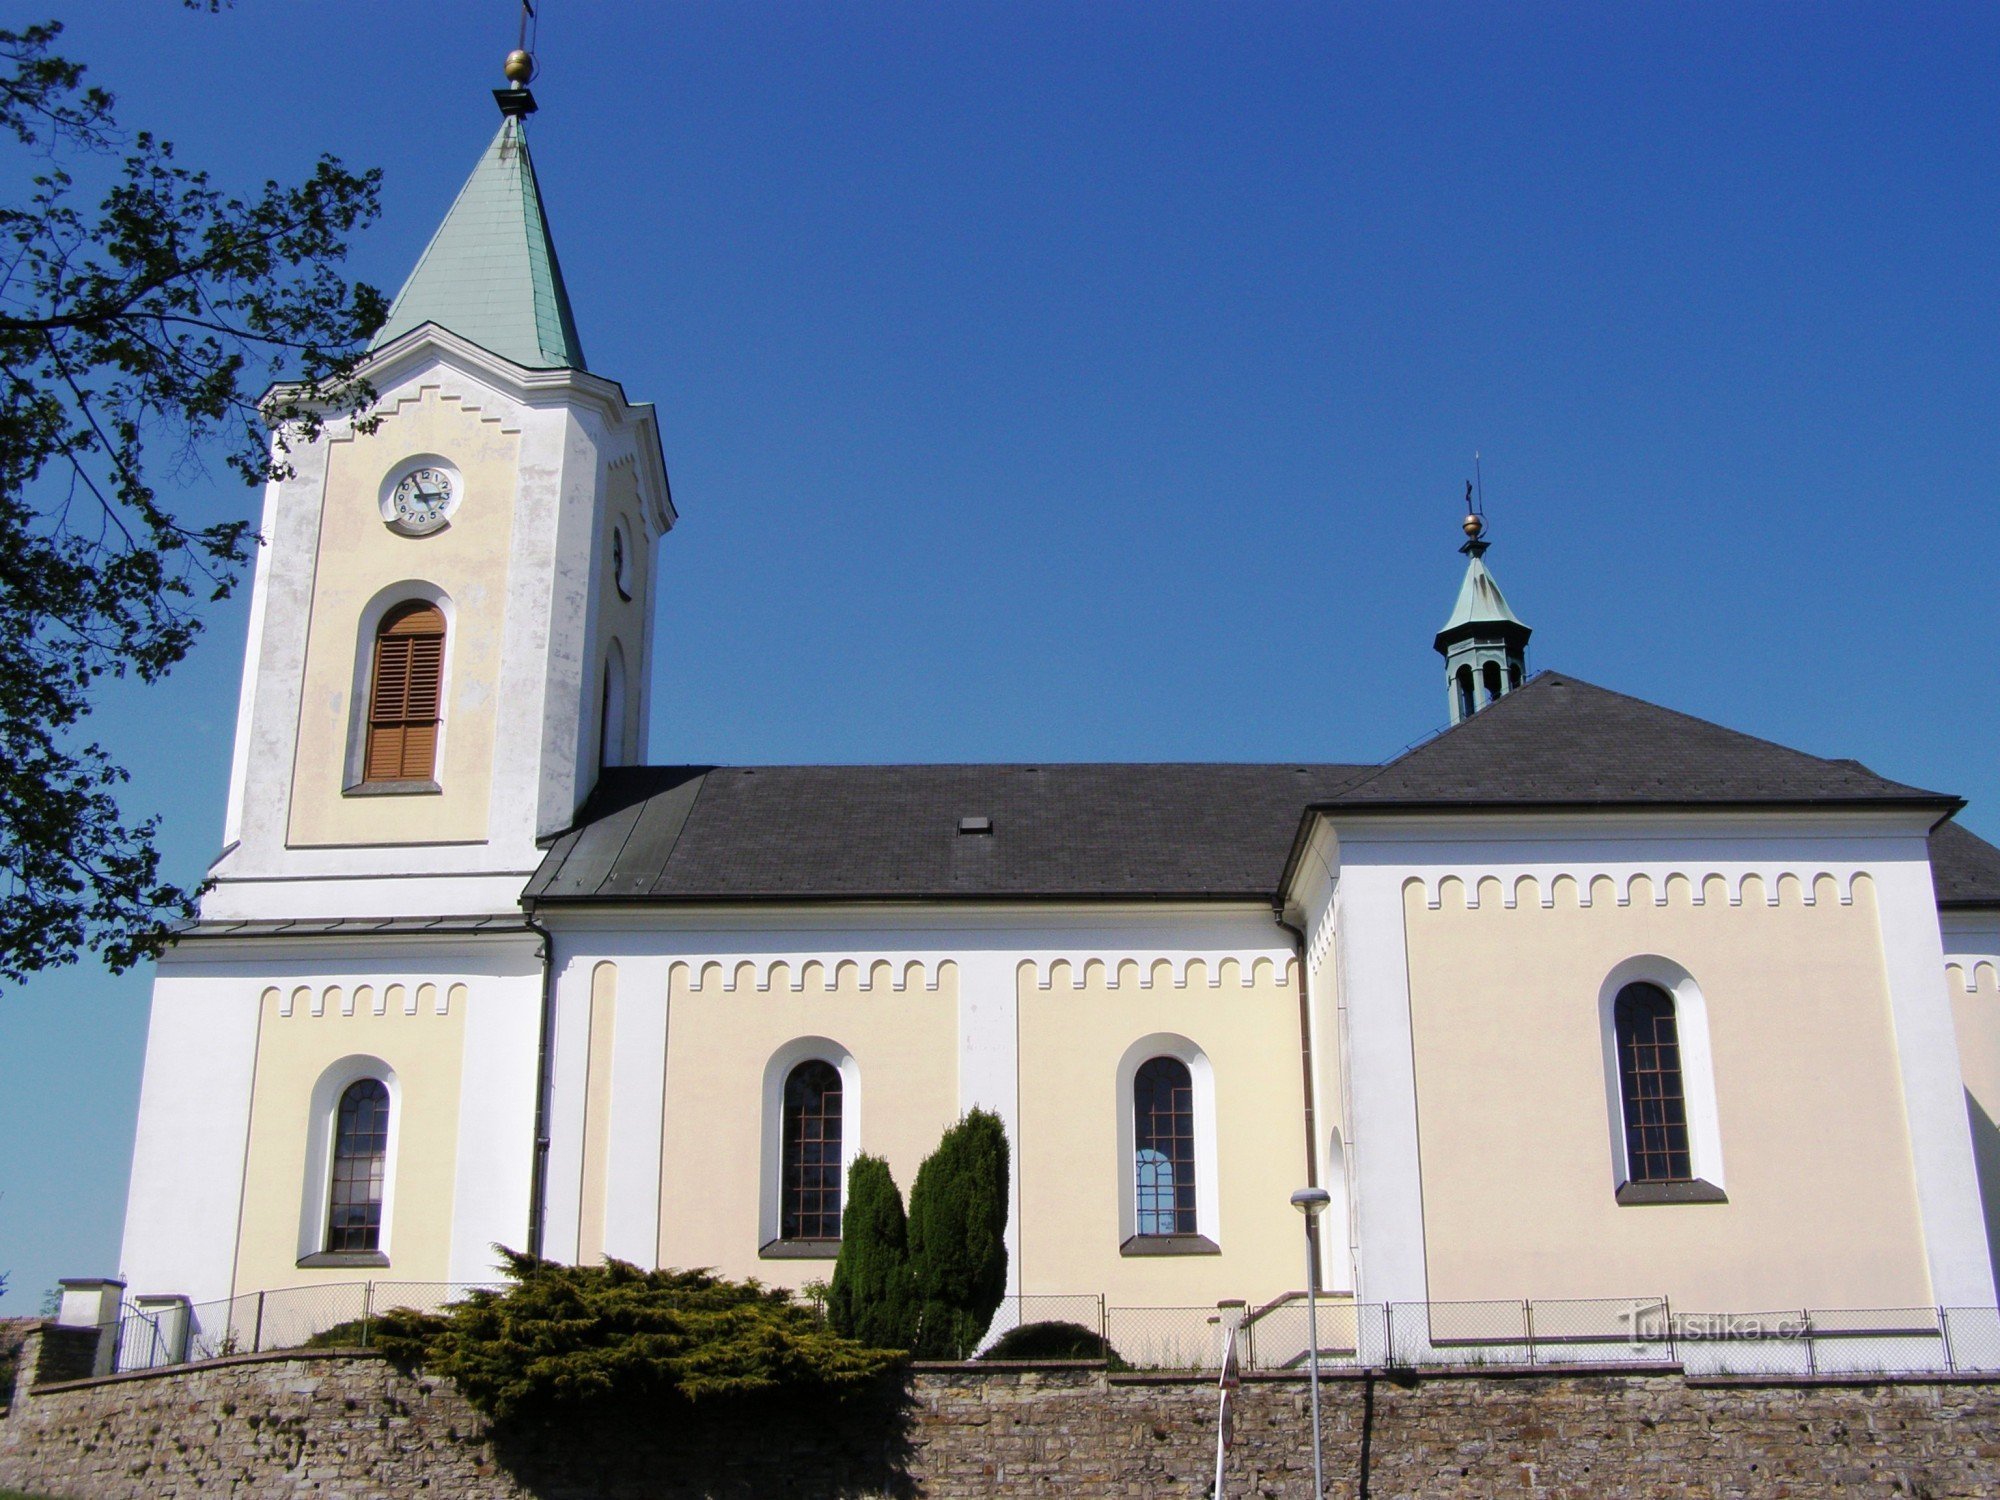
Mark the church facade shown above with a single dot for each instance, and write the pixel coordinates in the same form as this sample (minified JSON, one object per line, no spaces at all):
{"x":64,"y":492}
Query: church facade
{"x":1581,"y":998}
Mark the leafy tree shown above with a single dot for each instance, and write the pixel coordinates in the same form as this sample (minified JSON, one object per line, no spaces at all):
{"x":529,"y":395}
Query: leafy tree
{"x":133,"y":334}
{"x":870,"y":1298}
{"x":596,"y":1338}
{"x":958,"y":1227}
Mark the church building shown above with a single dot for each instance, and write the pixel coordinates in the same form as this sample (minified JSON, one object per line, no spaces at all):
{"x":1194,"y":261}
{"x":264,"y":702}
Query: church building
{"x":1581,"y":998}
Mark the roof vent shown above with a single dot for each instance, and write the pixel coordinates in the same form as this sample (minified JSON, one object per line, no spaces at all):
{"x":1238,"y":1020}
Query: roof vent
{"x":975,"y":825}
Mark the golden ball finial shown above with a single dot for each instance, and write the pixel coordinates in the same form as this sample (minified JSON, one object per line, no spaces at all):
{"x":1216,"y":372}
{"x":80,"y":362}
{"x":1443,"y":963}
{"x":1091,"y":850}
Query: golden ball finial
{"x":1473,"y":526}
{"x":519,"y":67}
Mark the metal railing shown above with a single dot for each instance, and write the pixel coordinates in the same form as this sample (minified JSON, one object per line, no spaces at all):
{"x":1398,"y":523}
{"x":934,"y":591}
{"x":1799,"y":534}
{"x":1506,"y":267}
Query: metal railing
{"x":1275,"y":1336}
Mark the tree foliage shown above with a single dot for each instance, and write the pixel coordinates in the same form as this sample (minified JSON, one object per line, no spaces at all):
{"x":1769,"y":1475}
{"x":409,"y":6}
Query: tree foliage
{"x":870,"y":1298}
{"x":590,"y":1339}
{"x":958,"y":1227}
{"x":135,"y":333}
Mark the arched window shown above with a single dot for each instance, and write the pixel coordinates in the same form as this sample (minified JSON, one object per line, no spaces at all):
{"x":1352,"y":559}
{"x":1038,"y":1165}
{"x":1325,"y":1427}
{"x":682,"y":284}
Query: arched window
{"x":1163,"y":1146}
{"x":809,"y":1180}
{"x":1649,"y":1081}
{"x":403,"y":696}
{"x":1491,"y":673}
{"x":360,"y":1158}
{"x":1465,"y":703}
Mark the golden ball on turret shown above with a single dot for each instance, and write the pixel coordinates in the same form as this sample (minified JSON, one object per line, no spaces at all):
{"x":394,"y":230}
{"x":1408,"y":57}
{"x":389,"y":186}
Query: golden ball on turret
{"x":1473,"y":525}
{"x":519,"y":67}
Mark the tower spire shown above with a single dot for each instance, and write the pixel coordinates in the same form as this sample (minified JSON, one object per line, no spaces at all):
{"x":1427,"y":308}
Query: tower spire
{"x":490,"y":273}
{"x":1484,"y":644}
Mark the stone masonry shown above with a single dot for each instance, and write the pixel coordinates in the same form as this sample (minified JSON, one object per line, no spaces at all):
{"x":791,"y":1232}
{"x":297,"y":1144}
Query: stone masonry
{"x":353,"y":1427}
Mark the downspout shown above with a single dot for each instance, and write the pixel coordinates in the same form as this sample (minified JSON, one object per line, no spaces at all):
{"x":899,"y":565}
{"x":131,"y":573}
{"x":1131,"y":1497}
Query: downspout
{"x":538,"y":1180}
{"x":1305,"y":1039}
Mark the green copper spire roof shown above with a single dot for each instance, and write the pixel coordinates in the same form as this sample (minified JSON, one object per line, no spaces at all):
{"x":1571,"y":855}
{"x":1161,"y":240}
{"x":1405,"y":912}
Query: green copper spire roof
{"x":490,"y":272}
{"x":1480,"y":601}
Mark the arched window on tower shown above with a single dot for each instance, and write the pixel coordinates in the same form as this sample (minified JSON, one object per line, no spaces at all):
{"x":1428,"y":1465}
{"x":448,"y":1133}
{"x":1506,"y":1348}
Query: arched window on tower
{"x":1163,"y":1146}
{"x":1650,"y":1083}
{"x":405,"y":695}
{"x":1465,"y":702}
{"x":611,"y":731}
{"x":360,"y":1160}
{"x":1491,"y":672}
{"x":809,"y":1184}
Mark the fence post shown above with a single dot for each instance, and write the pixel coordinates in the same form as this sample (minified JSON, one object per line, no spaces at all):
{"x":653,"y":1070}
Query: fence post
{"x":1812,"y":1360}
{"x":257,"y":1329}
{"x":1667,"y":1317}
{"x":367,"y":1308}
{"x":1528,"y":1322}
{"x":1388,"y":1334}
{"x":1944,"y":1331}
{"x":1103,"y":1325}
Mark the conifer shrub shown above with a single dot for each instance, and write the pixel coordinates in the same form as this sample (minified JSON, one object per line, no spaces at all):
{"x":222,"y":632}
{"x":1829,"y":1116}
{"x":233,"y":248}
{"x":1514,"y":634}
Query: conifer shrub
{"x":958,"y":1227}
{"x":870,"y":1299}
{"x":1055,"y":1339}
{"x":611,"y":1339}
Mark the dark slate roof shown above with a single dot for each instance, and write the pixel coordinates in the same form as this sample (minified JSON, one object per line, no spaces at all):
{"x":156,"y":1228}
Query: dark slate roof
{"x":705,"y":833}
{"x":1965,"y":869}
{"x":1110,"y":832}
{"x":1558,"y":741}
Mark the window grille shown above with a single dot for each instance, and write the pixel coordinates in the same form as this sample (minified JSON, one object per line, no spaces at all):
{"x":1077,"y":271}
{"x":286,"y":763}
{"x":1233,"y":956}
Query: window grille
{"x":1163,"y":1147}
{"x":809,"y":1190}
{"x":403,"y":700}
{"x":360,"y":1159}
{"x":1649,"y":1077}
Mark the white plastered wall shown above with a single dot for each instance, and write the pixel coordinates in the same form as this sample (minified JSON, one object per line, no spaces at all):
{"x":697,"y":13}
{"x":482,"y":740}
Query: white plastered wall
{"x":986,"y":951}
{"x":1350,"y":886}
{"x":199,"y":1105}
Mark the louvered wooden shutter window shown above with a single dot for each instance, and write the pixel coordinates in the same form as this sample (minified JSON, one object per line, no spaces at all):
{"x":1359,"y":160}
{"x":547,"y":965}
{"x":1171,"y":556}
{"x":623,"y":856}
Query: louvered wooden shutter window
{"x":403,"y":702}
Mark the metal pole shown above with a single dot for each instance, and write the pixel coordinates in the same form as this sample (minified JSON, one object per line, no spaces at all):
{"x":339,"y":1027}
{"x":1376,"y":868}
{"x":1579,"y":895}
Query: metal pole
{"x":1312,"y":1324}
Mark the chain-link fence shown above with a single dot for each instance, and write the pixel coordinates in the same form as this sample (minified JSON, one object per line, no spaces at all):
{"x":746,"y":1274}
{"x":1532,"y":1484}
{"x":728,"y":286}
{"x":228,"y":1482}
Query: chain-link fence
{"x":333,"y":1315}
{"x":1278,"y":1335}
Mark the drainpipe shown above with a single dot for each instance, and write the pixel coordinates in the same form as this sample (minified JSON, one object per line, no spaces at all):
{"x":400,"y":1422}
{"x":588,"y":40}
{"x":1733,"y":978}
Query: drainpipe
{"x":1305,"y":1041}
{"x":538,"y":1180}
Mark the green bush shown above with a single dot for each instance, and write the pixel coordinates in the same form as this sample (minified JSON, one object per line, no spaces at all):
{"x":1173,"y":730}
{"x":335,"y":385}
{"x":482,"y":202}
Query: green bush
{"x":597,"y":1338}
{"x":958,"y":1227}
{"x":870,"y":1298}
{"x":1054,"y":1340}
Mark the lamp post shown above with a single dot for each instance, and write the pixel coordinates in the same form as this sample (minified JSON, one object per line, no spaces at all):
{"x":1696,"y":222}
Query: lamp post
{"x":1312,"y":1202}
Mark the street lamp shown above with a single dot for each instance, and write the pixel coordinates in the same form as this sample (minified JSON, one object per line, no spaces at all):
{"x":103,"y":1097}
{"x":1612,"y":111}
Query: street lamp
{"x":1312,"y":1202}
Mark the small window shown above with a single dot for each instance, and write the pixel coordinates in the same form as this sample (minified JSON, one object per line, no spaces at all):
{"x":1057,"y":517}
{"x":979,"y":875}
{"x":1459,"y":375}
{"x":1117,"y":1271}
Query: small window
{"x":618,"y":578}
{"x":1649,"y":1079}
{"x":809,"y":1186}
{"x":1491,"y":673}
{"x":360,"y":1158}
{"x":1163,"y":1147}
{"x":404,"y":696}
{"x":1465,"y":702}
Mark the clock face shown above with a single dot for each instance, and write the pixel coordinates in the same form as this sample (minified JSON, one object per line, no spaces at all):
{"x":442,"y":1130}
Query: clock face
{"x":422,"y":500}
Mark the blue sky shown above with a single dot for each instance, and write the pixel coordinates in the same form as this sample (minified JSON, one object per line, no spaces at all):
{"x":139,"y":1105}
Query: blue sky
{"x":1056,"y":381}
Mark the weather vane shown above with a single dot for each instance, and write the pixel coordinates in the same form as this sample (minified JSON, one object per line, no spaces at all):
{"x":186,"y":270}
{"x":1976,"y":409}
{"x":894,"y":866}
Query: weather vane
{"x":515,"y":99}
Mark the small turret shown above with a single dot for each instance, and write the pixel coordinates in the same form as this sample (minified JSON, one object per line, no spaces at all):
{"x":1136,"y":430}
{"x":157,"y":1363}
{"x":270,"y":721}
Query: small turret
{"x":1484,"y":645}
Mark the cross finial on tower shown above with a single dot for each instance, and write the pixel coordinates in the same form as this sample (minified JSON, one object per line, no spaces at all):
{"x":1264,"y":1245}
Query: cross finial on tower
{"x":515,"y":99}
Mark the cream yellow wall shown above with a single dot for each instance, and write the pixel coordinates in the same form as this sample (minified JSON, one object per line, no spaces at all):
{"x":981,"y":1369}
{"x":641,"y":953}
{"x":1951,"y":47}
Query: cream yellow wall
{"x":722,"y":1031}
{"x":597,"y":1112}
{"x":1515,"y":1140}
{"x":1073,"y":1033}
{"x":359,"y":556}
{"x":1976,"y":1012}
{"x":400,"y":1024}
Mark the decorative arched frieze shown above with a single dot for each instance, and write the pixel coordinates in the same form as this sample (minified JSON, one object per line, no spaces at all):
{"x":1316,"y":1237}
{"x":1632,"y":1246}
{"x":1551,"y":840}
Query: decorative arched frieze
{"x":1672,"y":886}
{"x":1168,"y":971}
{"x":814,"y":975}
{"x":367,"y":999}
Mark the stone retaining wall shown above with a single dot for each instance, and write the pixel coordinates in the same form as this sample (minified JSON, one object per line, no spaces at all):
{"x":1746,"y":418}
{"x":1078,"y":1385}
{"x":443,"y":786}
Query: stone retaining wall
{"x":351,"y":1426}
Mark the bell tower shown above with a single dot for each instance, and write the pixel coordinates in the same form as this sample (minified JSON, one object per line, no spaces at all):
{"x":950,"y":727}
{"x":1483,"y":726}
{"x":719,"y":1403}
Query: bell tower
{"x":451,"y":618}
{"x":1484,"y":645}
